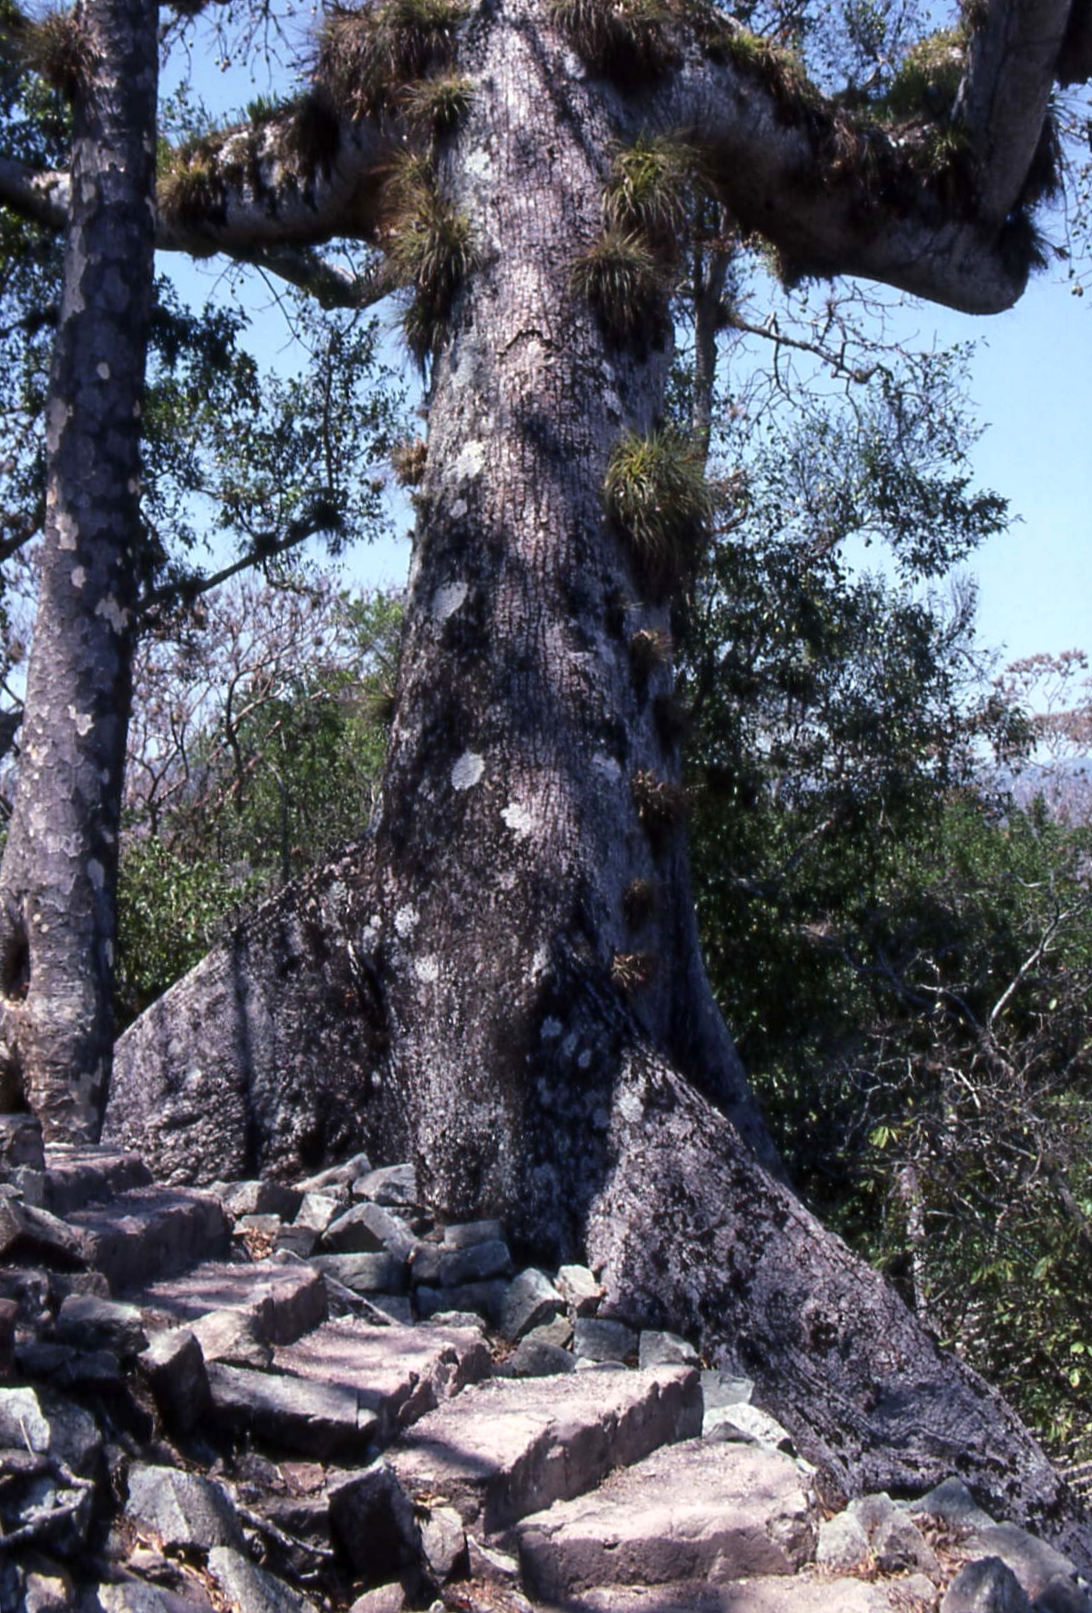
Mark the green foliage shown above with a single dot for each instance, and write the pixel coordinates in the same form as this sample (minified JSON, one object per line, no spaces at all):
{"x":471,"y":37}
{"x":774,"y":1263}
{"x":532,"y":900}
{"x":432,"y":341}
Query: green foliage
{"x":624,"y":281}
{"x":777,"y":67}
{"x":171,"y":910}
{"x":657,"y":496}
{"x":927,"y":79}
{"x":367,"y":56}
{"x":256,"y":749}
{"x":904,"y":953}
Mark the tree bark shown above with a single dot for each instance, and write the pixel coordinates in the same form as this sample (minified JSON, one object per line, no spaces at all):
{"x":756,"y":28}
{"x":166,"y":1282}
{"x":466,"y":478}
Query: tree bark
{"x":502,"y":982}
{"x":57,"y":915}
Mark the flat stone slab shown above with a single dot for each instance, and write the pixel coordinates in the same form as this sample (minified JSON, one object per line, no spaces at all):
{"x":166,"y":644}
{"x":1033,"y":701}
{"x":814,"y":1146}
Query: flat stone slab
{"x":282,"y":1302}
{"x":511,"y":1447}
{"x":79,"y":1174}
{"x":151,"y":1233}
{"x":398,"y":1373}
{"x":691,"y":1511}
{"x":803,"y":1593}
{"x":321,"y":1420}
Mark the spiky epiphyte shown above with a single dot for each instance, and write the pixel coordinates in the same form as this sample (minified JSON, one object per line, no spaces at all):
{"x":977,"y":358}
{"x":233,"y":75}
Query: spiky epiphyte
{"x":661,"y":805}
{"x":408,"y":461}
{"x":627,"y":40}
{"x":312,"y":134}
{"x":927,"y":79}
{"x":366,"y":56}
{"x":1022,"y":245}
{"x":638,"y":903}
{"x":428,"y":250}
{"x":190,"y":183}
{"x":632,"y":971}
{"x":380,"y":705}
{"x":649,"y":648}
{"x":626,"y":285}
{"x":657,"y":494}
{"x":436,"y":106}
{"x":780,"y":70}
{"x":647,"y":193}
{"x":58,"y":48}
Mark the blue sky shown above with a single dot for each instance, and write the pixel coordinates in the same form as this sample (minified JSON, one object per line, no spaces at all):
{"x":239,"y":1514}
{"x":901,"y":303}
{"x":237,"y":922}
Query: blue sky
{"x":1032,"y":384}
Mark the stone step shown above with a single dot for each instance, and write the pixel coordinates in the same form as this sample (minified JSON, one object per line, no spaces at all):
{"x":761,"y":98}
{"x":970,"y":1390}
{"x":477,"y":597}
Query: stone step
{"x":514,"y":1446}
{"x":803,"y":1593}
{"x":400,"y":1373}
{"x":714,"y":1512}
{"x":79,"y":1174}
{"x":347,"y":1388}
{"x":149,"y":1233}
{"x":318,"y":1420}
{"x":279,"y":1302}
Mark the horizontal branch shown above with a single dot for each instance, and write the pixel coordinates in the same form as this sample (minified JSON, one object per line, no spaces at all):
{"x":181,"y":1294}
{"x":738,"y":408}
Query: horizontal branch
{"x":329,"y":284}
{"x":39,"y":195}
{"x":252,"y":203}
{"x":841,"y":194}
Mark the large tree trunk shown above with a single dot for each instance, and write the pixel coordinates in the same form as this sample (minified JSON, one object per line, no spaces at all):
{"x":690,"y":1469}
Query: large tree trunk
{"x":503,"y":981}
{"x":57,"y":915}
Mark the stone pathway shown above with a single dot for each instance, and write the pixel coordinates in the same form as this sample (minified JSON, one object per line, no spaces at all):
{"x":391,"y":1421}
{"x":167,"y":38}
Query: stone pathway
{"x":275,"y":1398}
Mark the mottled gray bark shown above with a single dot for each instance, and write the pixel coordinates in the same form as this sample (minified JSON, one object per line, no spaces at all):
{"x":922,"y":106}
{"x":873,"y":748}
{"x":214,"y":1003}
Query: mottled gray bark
{"x":59,"y":870}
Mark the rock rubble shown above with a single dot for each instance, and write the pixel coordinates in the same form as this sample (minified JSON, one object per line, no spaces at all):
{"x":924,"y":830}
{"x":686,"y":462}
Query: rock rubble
{"x":308,"y":1397}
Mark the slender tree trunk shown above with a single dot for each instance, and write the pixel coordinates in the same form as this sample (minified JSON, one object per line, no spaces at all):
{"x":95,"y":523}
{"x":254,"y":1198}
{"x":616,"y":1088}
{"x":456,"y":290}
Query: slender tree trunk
{"x":58,"y":876}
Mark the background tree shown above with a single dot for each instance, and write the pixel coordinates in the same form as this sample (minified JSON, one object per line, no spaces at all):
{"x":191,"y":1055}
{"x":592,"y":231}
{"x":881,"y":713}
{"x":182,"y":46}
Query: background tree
{"x":503,"y":980}
{"x":255,"y":749}
{"x":267,"y":462}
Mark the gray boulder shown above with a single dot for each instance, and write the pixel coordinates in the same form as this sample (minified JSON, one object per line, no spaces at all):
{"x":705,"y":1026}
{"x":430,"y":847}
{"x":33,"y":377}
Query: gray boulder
{"x":842,"y":1543}
{"x":391,"y":1185}
{"x":41,"y":1421}
{"x":367,"y":1228}
{"x":461,"y":1234}
{"x":579,"y":1289}
{"x":182,"y":1509}
{"x":251,"y":1589}
{"x":899,"y":1547}
{"x":953,"y":1502}
{"x":373,"y":1519}
{"x":1034,"y":1563}
{"x":173,"y":1366}
{"x":531,"y":1299}
{"x":537,"y":1358}
{"x":91,"y":1323}
{"x":665,"y":1349}
{"x":598,"y":1340}
{"x":986,"y":1586}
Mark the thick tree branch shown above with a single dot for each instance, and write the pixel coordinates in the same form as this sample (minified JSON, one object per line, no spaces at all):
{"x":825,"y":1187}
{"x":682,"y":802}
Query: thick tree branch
{"x":41,"y":196}
{"x":329,"y":284}
{"x":1006,"y":93}
{"x":840,"y":196}
{"x":260,"y":210}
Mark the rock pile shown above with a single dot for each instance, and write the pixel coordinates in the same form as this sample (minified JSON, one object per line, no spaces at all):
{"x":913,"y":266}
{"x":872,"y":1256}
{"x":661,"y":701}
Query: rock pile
{"x":275,"y":1399}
